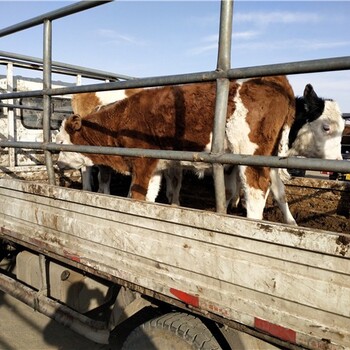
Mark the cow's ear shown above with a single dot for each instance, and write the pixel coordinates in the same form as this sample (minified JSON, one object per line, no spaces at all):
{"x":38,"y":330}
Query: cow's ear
{"x":76,"y":122}
{"x":310,"y":96}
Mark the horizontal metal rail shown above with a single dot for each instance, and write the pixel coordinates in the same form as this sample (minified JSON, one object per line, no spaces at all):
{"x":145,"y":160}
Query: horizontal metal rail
{"x":52,"y":15}
{"x":310,"y":66}
{"x":226,"y":158}
{"x":60,"y":67}
{"x":298,"y":67}
{"x":34,"y":108}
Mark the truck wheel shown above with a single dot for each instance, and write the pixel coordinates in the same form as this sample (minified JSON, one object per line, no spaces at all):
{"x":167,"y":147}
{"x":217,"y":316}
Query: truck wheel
{"x":173,"y":331}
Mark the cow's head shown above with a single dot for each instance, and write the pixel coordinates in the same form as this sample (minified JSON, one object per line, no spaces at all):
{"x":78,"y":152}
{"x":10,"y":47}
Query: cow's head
{"x":318,"y":127}
{"x":70,"y":160}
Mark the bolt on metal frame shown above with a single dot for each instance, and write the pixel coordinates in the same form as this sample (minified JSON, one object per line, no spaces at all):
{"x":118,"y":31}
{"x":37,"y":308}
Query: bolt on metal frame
{"x":221,"y":75}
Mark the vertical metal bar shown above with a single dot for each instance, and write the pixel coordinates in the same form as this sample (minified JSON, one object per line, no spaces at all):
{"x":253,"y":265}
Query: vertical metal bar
{"x":11,"y":127}
{"x":224,"y":55}
{"x":43,"y":289}
{"x":222,"y":91}
{"x":46,"y":98}
{"x":78,"y":80}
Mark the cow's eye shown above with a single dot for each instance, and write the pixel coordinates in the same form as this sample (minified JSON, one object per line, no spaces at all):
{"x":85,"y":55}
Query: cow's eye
{"x":326,"y":127}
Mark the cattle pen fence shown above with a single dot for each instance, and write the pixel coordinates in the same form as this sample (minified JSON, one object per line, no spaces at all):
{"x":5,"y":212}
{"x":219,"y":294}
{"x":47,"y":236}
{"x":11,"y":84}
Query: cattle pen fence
{"x":221,"y":74}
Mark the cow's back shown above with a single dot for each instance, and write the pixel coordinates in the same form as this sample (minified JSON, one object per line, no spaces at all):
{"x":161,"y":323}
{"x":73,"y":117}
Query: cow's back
{"x":172,"y":117}
{"x":182,"y":117}
{"x":260,"y":109}
{"x":88,"y":102}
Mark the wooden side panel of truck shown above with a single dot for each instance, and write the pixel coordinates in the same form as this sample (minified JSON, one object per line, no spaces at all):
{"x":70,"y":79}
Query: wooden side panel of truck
{"x":291,"y":282}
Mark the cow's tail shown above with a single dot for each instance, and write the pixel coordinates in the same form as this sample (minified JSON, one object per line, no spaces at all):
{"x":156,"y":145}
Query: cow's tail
{"x":283,"y":150}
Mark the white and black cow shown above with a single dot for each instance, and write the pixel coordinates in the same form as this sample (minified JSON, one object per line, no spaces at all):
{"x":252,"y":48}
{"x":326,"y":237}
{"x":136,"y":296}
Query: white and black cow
{"x":259,"y":116}
{"x":317,"y":128}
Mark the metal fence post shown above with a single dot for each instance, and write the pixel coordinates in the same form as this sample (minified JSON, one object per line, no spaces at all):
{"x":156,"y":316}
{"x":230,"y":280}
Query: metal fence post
{"x":11,"y":120}
{"x":47,"y":98}
{"x":222,"y":91}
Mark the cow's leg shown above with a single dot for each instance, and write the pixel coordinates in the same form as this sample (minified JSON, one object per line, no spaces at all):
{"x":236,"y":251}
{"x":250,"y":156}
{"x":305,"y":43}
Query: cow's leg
{"x":232,"y":186}
{"x":173,"y":179}
{"x":145,"y":175}
{"x":278,"y":191}
{"x":86,"y":178}
{"x":104,"y":179}
{"x":154,"y":186}
{"x":255,"y":184}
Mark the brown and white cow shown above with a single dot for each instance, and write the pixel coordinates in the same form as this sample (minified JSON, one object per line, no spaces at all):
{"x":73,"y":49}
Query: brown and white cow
{"x":259,"y":116}
{"x":316,"y":132}
{"x":85,"y":103}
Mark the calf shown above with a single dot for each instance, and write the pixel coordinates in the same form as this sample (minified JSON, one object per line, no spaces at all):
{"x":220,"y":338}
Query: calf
{"x":259,"y":115}
{"x":315,"y":133}
{"x":84,"y":104}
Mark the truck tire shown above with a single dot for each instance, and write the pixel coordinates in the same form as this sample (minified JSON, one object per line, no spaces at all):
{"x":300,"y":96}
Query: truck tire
{"x":173,"y":331}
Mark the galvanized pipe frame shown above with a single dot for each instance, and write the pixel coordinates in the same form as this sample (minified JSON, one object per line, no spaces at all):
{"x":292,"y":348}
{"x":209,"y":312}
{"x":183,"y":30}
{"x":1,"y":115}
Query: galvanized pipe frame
{"x":60,"y":67}
{"x":299,"y":67}
{"x":331,"y":64}
{"x":47,"y":82}
{"x":52,"y":15}
{"x":221,"y":102}
{"x":34,"y":108}
{"x":46,"y":20}
{"x":226,"y":158}
{"x":11,"y":129}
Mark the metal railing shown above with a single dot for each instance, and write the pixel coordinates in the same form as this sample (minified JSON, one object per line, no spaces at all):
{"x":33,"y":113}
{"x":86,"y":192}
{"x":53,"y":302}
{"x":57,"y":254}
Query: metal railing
{"x":30,"y":62}
{"x":221,"y":75}
{"x":14,"y":60}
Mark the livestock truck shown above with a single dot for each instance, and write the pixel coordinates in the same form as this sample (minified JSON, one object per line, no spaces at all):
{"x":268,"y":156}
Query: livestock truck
{"x":187,"y":277}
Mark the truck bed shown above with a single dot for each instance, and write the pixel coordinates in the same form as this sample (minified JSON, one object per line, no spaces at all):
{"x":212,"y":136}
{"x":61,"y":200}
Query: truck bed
{"x":291,"y":282}
{"x":315,"y":202}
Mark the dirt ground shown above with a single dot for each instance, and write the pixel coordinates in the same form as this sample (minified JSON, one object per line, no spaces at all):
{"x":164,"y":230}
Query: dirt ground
{"x":320,"y":204}
{"x":325,"y":209}
{"x":23,"y":328}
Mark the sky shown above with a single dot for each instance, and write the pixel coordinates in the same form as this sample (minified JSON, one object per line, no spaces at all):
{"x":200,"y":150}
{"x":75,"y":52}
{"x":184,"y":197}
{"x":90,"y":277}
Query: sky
{"x":154,"y":38}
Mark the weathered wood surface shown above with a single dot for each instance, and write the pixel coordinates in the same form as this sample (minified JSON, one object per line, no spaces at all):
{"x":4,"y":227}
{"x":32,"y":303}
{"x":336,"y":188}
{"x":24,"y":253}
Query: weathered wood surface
{"x":241,"y":269}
